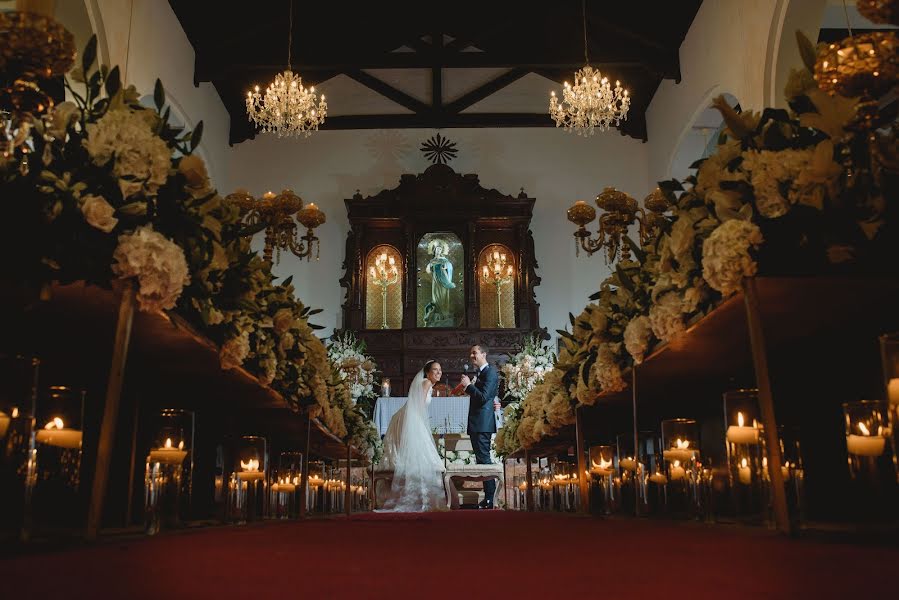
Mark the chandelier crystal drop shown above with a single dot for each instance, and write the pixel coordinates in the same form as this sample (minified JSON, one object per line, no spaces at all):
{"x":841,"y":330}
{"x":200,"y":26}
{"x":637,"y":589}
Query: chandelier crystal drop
{"x":591,"y":103}
{"x":287,"y":108}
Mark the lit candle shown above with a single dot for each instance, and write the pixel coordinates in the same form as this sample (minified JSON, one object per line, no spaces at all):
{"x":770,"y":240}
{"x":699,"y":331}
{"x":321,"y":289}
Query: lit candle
{"x":865,"y":444}
{"x":681,"y":451}
{"x":738,"y":434}
{"x":4,"y":422}
{"x":250,"y":471}
{"x":285,"y":488}
{"x":785,"y":471}
{"x":893,"y":390}
{"x":486,"y":271}
{"x":603,"y":469}
{"x":372,"y":272}
{"x":167,"y":454}
{"x":744,"y":473}
{"x":628,"y":464}
{"x":392,"y":261}
{"x":55,"y":433}
{"x":658,"y":478}
{"x":268,"y":195}
{"x":677,"y":472}
{"x":312,"y":206}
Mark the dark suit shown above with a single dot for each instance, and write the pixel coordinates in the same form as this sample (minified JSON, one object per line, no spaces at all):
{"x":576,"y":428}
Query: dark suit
{"x":481,"y":422}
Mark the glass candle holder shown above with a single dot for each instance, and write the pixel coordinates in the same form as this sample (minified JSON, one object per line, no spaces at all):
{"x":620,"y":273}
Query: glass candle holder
{"x":870,"y":463}
{"x":385,"y":387}
{"x":285,"y":485}
{"x":744,"y":442}
{"x":545,"y":487}
{"x":18,"y":388}
{"x":247,"y":483}
{"x":167,"y":474}
{"x":793,"y":473}
{"x":315,"y":486}
{"x":680,"y":451}
{"x":889,"y":355}
{"x":602,"y":470}
{"x":53,"y":479}
{"x":632,"y":468}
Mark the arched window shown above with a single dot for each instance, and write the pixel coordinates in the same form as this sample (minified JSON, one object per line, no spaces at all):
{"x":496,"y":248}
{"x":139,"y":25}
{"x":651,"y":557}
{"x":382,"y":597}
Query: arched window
{"x":384,"y":288}
{"x":497,"y":273}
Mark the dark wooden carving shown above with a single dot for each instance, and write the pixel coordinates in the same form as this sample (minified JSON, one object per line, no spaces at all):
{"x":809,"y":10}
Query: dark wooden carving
{"x":439,"y":200}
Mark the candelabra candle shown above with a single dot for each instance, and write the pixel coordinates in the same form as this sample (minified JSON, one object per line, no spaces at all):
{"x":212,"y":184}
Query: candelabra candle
{"x":384,"y":273}
{"x":497,"y":272}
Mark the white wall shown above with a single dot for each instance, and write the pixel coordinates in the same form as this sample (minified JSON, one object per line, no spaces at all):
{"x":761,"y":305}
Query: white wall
{"x":741,"y":47}
{"x":553,"y":167}
{"x":146,"y":41}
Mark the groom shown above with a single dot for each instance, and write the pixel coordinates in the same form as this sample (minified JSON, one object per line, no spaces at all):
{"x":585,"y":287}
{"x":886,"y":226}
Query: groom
{"x":481,"y":423}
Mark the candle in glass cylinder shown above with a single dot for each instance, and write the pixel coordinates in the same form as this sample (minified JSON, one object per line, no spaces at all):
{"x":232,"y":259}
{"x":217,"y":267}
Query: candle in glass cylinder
{"x":603,"y":469}
{"x":677,"y":472}
{"x":739,"y":434}
{"x":167,"y":454}
{"x":865,"y":444}
{"x":250,"y":471}
{"x":628,"y":464}
{"x":681,"y":452}
{"x":893,"y":390}
{"x":55,"y":433}
{"x":658,"y":478}
{"x":744,"y":473}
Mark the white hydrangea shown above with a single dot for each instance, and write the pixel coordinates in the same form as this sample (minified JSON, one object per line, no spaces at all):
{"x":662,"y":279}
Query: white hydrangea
{"x":158,"y":264}
{"x":141,"y":159}
{"x":725,"y":255}
{"x":607,"y":370}
{"x":636,"y":337}
{"x":666,"y":316}
{"x":235,"y":350}
{"x":772,"y":171}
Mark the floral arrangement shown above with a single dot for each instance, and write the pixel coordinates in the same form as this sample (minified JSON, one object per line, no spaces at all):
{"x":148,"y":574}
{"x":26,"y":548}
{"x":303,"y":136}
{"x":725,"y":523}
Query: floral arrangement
{"x":526,"y":368}
{"x":347,"y":354}
{"x":758,"y":204}
{"x":107,"y":189}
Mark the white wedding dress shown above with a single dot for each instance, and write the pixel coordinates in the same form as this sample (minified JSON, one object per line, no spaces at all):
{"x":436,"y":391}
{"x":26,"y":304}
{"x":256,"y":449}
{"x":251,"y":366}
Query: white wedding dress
{"x":410,"y":452}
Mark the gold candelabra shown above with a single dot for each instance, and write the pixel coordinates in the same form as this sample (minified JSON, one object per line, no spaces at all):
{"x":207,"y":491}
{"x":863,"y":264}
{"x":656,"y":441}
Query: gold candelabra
{"x":278,"y":216}
{"x":621,"y":211}
{"x":384,"y":273}
{"x":497,"y":272}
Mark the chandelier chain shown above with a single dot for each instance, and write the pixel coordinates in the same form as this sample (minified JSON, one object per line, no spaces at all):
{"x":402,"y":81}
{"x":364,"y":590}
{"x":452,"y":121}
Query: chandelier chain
{"x":848,"y":23}
{"x":584,"y":15}
{"x":290,"y":37}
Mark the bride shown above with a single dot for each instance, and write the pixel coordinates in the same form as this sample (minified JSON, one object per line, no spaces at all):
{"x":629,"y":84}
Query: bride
{"x":409,"y":451}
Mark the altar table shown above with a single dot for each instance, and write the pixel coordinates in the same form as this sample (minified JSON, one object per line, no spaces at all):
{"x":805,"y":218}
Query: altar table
{"x":448,"y":414}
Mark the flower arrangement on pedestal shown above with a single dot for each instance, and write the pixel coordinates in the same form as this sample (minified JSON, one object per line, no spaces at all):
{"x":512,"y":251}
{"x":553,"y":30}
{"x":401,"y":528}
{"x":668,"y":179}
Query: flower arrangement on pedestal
{"x":355,"y":371}
{"x":107,"y":189}
{"x":759,"y":203}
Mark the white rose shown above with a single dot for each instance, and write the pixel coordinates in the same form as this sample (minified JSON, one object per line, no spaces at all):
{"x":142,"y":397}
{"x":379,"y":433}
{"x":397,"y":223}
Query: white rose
{"x":98,"y":213}
{"x":61,"y":119}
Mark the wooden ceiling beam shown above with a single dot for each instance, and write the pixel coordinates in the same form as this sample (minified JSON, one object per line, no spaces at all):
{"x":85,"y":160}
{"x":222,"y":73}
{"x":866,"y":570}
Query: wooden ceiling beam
{"x":489,"y":88}
{"x":386,"y":90}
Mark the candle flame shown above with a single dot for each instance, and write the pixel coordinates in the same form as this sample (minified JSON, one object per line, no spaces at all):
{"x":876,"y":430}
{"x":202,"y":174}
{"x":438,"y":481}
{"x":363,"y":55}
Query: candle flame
{"x":739,"y":419}
{"x":743,"y":463}
{"x":677,"y":463}
{"x":251,"y":465}
{"x":863,"y":429}
{"x":56,"y":423}
{"x":682,"y":445}
{"x":181,"y":445}
{"x":603,"y":463}
{"x":168,"y":442}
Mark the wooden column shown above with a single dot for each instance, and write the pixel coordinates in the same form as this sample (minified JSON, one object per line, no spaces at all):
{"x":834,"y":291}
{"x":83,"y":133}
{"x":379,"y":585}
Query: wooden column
{"x":766,"y":404}
{"x":637,"y":471}
{"x":348,"y":494}
{"x":111,"y":410}
{"x":581,"y":461}
{"x":304,"y":476}
{"x":529,"y":495}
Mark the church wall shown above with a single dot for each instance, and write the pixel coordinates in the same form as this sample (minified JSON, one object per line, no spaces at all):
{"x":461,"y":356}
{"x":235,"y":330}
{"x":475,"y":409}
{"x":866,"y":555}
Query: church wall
{"x":741,"y":47}
{"x":160,"y":49}
{"x":551,"y":166}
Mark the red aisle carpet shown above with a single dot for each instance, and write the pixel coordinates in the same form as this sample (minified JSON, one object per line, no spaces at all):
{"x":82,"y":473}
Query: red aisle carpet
{"x":463,"y":554}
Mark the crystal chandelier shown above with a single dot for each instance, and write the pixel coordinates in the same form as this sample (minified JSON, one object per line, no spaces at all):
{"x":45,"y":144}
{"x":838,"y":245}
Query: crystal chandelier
{"x":275,"y":214}
{"x":497,"y":272}
{"x":621,"y":211}
{"x":591,"y":103}
{"x":286,"y":108}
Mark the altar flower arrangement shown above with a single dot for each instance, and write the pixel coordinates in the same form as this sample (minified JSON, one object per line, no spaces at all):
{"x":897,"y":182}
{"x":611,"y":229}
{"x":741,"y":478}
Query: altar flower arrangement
{"x":347,"y":354}
{"x":156,"y":262}
{"x":527,"y":367}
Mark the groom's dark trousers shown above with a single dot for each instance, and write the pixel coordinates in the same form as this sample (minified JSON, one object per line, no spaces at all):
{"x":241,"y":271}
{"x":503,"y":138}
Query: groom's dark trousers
{"x":481,"y":422}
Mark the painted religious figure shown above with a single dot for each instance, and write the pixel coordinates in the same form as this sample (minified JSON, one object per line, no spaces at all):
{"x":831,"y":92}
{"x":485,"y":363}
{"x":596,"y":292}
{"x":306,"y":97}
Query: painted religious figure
{"x":440,"y":303}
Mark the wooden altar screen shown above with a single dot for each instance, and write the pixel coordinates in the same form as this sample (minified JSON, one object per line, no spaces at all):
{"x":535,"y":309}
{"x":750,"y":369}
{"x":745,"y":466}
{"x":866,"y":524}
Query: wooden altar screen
{"x":439,"y":200}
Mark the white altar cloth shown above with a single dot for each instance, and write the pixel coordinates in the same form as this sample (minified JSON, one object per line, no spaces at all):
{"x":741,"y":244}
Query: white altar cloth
{"x":448,"y":414}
